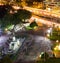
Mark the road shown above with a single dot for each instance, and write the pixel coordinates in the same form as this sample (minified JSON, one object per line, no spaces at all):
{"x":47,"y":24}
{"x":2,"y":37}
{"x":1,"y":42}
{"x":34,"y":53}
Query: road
{"x":43,"y":21}
{"x":43,"y":12}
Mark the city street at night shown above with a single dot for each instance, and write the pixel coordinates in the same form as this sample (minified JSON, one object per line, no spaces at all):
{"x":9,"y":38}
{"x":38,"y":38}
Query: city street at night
{"x":29,"y":31}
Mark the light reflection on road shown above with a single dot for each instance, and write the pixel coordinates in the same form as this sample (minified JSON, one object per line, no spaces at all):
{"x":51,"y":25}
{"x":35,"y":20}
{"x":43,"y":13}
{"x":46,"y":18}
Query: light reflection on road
{"x":43,"y":21}
{"x":43,"y":12}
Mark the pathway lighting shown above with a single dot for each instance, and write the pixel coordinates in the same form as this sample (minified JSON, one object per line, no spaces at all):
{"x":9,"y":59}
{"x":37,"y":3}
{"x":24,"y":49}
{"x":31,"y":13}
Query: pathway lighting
{"x":48,"y":35}
{"x":57,"y":41}
{"x":57,"y":47}
{"x":6,"y":29}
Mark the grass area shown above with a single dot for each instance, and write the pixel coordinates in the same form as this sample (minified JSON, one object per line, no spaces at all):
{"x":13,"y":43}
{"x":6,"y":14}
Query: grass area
{"x":50,"y":60}
{"x":6,"y":59}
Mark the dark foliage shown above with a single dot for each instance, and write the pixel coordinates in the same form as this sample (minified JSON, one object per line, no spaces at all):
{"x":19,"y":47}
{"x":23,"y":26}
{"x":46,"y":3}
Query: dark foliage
{"x":33,"y":24}
{"x":23,"y":14}
{"x":4,"y":9}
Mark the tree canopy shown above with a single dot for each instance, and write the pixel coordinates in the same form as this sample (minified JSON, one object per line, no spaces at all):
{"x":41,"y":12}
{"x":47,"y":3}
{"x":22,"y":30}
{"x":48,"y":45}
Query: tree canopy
{"x":55,"y":35}
{"x":14,"y":18}
{"x":23,"y":14}
{"x":4,"y":9}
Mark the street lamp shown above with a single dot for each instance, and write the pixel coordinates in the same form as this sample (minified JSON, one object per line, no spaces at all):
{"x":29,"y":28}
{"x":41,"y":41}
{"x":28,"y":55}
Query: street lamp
{"x":57,"y":41}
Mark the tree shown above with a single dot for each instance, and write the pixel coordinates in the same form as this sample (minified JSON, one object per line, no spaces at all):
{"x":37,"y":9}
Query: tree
{"x":23,"y":14}
{"x":9,"y":19}
{"x":44,"y":56}
{"x":4,"y":9}
{"x":55,"y":35}
{"x":33,"y":24}
{"x":15,"y":18}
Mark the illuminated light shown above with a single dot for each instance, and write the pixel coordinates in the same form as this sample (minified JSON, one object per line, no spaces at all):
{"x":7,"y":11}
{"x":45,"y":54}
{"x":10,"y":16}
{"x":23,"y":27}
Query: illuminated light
{"x":15,"y":11}
{"x":31,"y":11}
{"x":16,"y":7}
{"x":57,"y":41}
{"x":35,"y":27}
{"x":1,"y":3}
{"x":48,"y":35}
{"x":27,"y":24}
{"x":23,"y":20}
{"x":15,"y":47}
{"x":44,"y":21}
{"x":44,"y":11}
{"x":59,"y":27}
{"x":55,"y":48}
{"x":11,"y":11}
{"x":18,"y":42}
{"x":49,"y":9}
{"x":52,"y":14}
{"x":40,"y":55}
{"x":59,"y":47}
{"x":59,"y":16}
{"x":49,"y":30}
{"x":55,"y":15}
{"x":36,"y":19}
{"x":6,"y":29}
{"x":14,"y":38}
{"x":26,"y":20}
